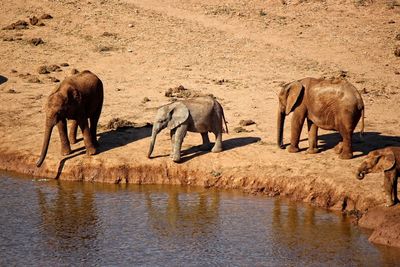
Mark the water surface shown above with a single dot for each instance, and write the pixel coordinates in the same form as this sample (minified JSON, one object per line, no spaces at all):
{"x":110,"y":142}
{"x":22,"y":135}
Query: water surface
{"x":48,"y":223}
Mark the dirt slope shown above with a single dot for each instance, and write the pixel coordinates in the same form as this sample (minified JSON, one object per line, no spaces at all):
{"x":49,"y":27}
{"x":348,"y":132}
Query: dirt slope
{"x":239,"y":51}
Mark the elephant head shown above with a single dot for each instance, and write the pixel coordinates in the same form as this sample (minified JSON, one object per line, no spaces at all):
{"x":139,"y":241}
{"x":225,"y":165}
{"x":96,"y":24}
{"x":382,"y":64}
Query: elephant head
{"x":376,"y":161}
{"x":288,"y":97}
{"x":170,"y":116}
{"x":59,"y":105}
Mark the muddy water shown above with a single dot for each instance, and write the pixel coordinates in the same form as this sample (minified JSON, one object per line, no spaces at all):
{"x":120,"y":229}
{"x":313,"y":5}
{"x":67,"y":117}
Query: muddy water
{"x":47,"y":223}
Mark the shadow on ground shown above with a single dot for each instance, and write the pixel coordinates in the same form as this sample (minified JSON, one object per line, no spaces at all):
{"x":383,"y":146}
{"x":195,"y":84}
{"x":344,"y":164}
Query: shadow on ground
{"x":3,"y":79}
{"x":110,"y":140}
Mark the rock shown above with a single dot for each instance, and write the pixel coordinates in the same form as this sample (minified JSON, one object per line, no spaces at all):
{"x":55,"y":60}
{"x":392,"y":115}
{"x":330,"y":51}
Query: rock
{"x":246,"y":122}
{"x":46,"y":16}
{"x":145,"y":100}
{"x":262,"y":13}
{"x":33,"y":79}
{"x":41,"y":24}
{"x":130,"y":25}
{"x":240,"y":130}
{"x":36,"y":41}
{"x":43,"y":70}
{"x":64,"y":64}
{"x":74,"y":71}
{"x":34,"y":20}
{"x":397,"y":51}
{"x":19,"y":25}
{"x":11,"y":91}
{"x":54,"y":79}
{"x":397,"y":37}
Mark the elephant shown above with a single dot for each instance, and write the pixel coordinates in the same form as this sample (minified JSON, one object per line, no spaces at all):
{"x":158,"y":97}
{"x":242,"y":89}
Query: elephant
{"x":327,"y":103}
{"x":78,"y":98}
{"x":386,"y":160}
{"x":199,"y":114}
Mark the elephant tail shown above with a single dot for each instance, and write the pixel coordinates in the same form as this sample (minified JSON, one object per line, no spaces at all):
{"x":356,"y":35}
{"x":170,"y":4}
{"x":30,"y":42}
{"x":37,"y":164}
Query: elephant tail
{"x":225,"y":122}
{"x":362,"y":122}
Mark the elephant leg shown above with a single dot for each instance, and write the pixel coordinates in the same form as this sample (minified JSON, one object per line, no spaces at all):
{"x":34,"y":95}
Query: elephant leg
{"x":395,"y":198}
{"x":388,"y":184}
{"x":206,"y":142}
{"x":179,"y":136}
{"x":347,"y":152}
{"x":312,"y":137}
{"x":338,"y":148}
{"x":93,"y":129}
{"x":296,"y":127}
{"x":62,"y":130}
{"x":73,"y":131}
{"x":218,"y":143}
{"x":172,"y":135}
{"x":90,"y":148}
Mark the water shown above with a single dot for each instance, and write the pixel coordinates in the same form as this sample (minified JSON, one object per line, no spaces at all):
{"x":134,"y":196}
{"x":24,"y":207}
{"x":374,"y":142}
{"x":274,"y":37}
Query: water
{"x":50,"y":223}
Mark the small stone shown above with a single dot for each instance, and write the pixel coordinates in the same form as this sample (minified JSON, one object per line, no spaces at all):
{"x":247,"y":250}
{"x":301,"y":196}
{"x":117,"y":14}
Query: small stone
{"x":145,"y":100}
{"x":46,"y":16}
{"x":262,"y":13}
{"x":54,"y":79}
{"x":11,"y":91}
{"x":43,"y":70}
{"x":397,"y":37}
{"x":246,"y":122}
{"x":130,"y":25}
{"x":36,"y":41}
{"x":33,"y":79}
{"x":64,"y":64}
{"x":130,"y":50}
{"x":74,"y":71}
{"x":34,"y":20}
{"x":41,"y":24}
{"x":397,"y":51}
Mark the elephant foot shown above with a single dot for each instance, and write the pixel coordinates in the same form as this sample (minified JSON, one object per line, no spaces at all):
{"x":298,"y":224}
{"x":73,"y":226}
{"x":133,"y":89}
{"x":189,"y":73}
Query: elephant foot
{"x":66,"y":151}
{"x":91,"y":151}
{"x":176,"y":158}
{"x":338,"y":148}
{"x":347,"y":155}
{"x":390,"y":204}
{"x":216,"y":149}
{"x":73,"y":140}
{"x":312,"y":150}
{"x":293,"y":149}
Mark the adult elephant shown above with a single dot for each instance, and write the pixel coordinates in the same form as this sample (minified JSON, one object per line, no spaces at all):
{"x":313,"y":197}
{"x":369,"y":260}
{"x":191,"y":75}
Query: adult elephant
{"x":78,"y":98}
{"x":199,"y":114}
{"x":330,"y":104}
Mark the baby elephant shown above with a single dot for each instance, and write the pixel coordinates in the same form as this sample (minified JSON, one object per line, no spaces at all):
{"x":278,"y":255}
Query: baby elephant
{"x":199,"y":115}
{"x":388,"y":161}
{"x":78,"y":98}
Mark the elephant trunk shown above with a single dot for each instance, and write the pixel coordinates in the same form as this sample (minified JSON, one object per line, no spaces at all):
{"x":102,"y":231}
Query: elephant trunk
{"x":46,"y":141}
{"x":153,"y":141}
{"x":281,"y":122}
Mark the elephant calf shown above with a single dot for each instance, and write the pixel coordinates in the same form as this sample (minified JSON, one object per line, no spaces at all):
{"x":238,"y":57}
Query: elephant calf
{"x":388,"y":161}
{"x":330,"y":104}
{"x":199,"y":115}
{"x":78,"y":98}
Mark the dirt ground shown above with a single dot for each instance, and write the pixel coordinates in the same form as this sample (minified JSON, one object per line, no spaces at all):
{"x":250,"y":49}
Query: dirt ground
{"x":239,"y":51}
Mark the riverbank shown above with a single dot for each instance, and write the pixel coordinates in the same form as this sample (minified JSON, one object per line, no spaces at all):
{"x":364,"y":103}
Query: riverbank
{"x":239,"y":53}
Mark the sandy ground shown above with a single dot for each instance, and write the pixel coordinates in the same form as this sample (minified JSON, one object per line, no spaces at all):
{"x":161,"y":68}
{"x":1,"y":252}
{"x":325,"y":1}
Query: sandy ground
{"x":239,"y":51}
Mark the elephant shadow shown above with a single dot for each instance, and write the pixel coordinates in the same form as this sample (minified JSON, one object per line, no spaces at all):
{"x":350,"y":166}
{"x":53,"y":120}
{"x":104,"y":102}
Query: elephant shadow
{"x":370,"y":141}
{"x":228,"y":144}
{"x":110,"y":140}
{"x":3,"y":79}
{"x":121,"y":137}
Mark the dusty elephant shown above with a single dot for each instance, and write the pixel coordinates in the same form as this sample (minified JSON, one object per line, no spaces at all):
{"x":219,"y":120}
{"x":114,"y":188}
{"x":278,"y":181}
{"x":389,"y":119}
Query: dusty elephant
{"x":330,"y":104}
{"x":199,"y":114}
{"x":386,"y":160}
{"x":78,"y":98}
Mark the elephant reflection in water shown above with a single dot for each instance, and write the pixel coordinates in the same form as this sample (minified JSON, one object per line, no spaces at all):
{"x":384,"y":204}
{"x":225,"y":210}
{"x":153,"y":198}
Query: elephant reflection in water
{"x":69,"y":218}
{"x":183,"y":217}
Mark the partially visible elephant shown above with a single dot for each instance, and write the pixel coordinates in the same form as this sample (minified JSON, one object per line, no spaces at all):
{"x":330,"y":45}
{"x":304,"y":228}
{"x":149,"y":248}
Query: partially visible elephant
{"x":77,"y":98}
{"x":199,"y":115}
{"x":330,"y":104}
{"x":386,"y":160}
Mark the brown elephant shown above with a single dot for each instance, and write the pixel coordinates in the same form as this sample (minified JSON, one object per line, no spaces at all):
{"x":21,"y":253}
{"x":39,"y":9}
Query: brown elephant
{"x":330,"y":104}
{"x":78,"y":98}
{"x":386,"y":160}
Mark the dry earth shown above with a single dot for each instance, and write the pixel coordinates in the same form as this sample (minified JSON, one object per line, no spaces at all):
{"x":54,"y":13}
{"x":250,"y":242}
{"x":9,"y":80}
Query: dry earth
{"x":239,"y":51}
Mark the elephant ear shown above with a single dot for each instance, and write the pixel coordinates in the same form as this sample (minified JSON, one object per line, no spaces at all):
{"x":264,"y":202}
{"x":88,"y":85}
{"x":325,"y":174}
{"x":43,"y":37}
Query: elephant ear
{"x":179,"y":114}
{"x":387,"y":161}
{"x":294,"y":91}
{"x":74,"y":96}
